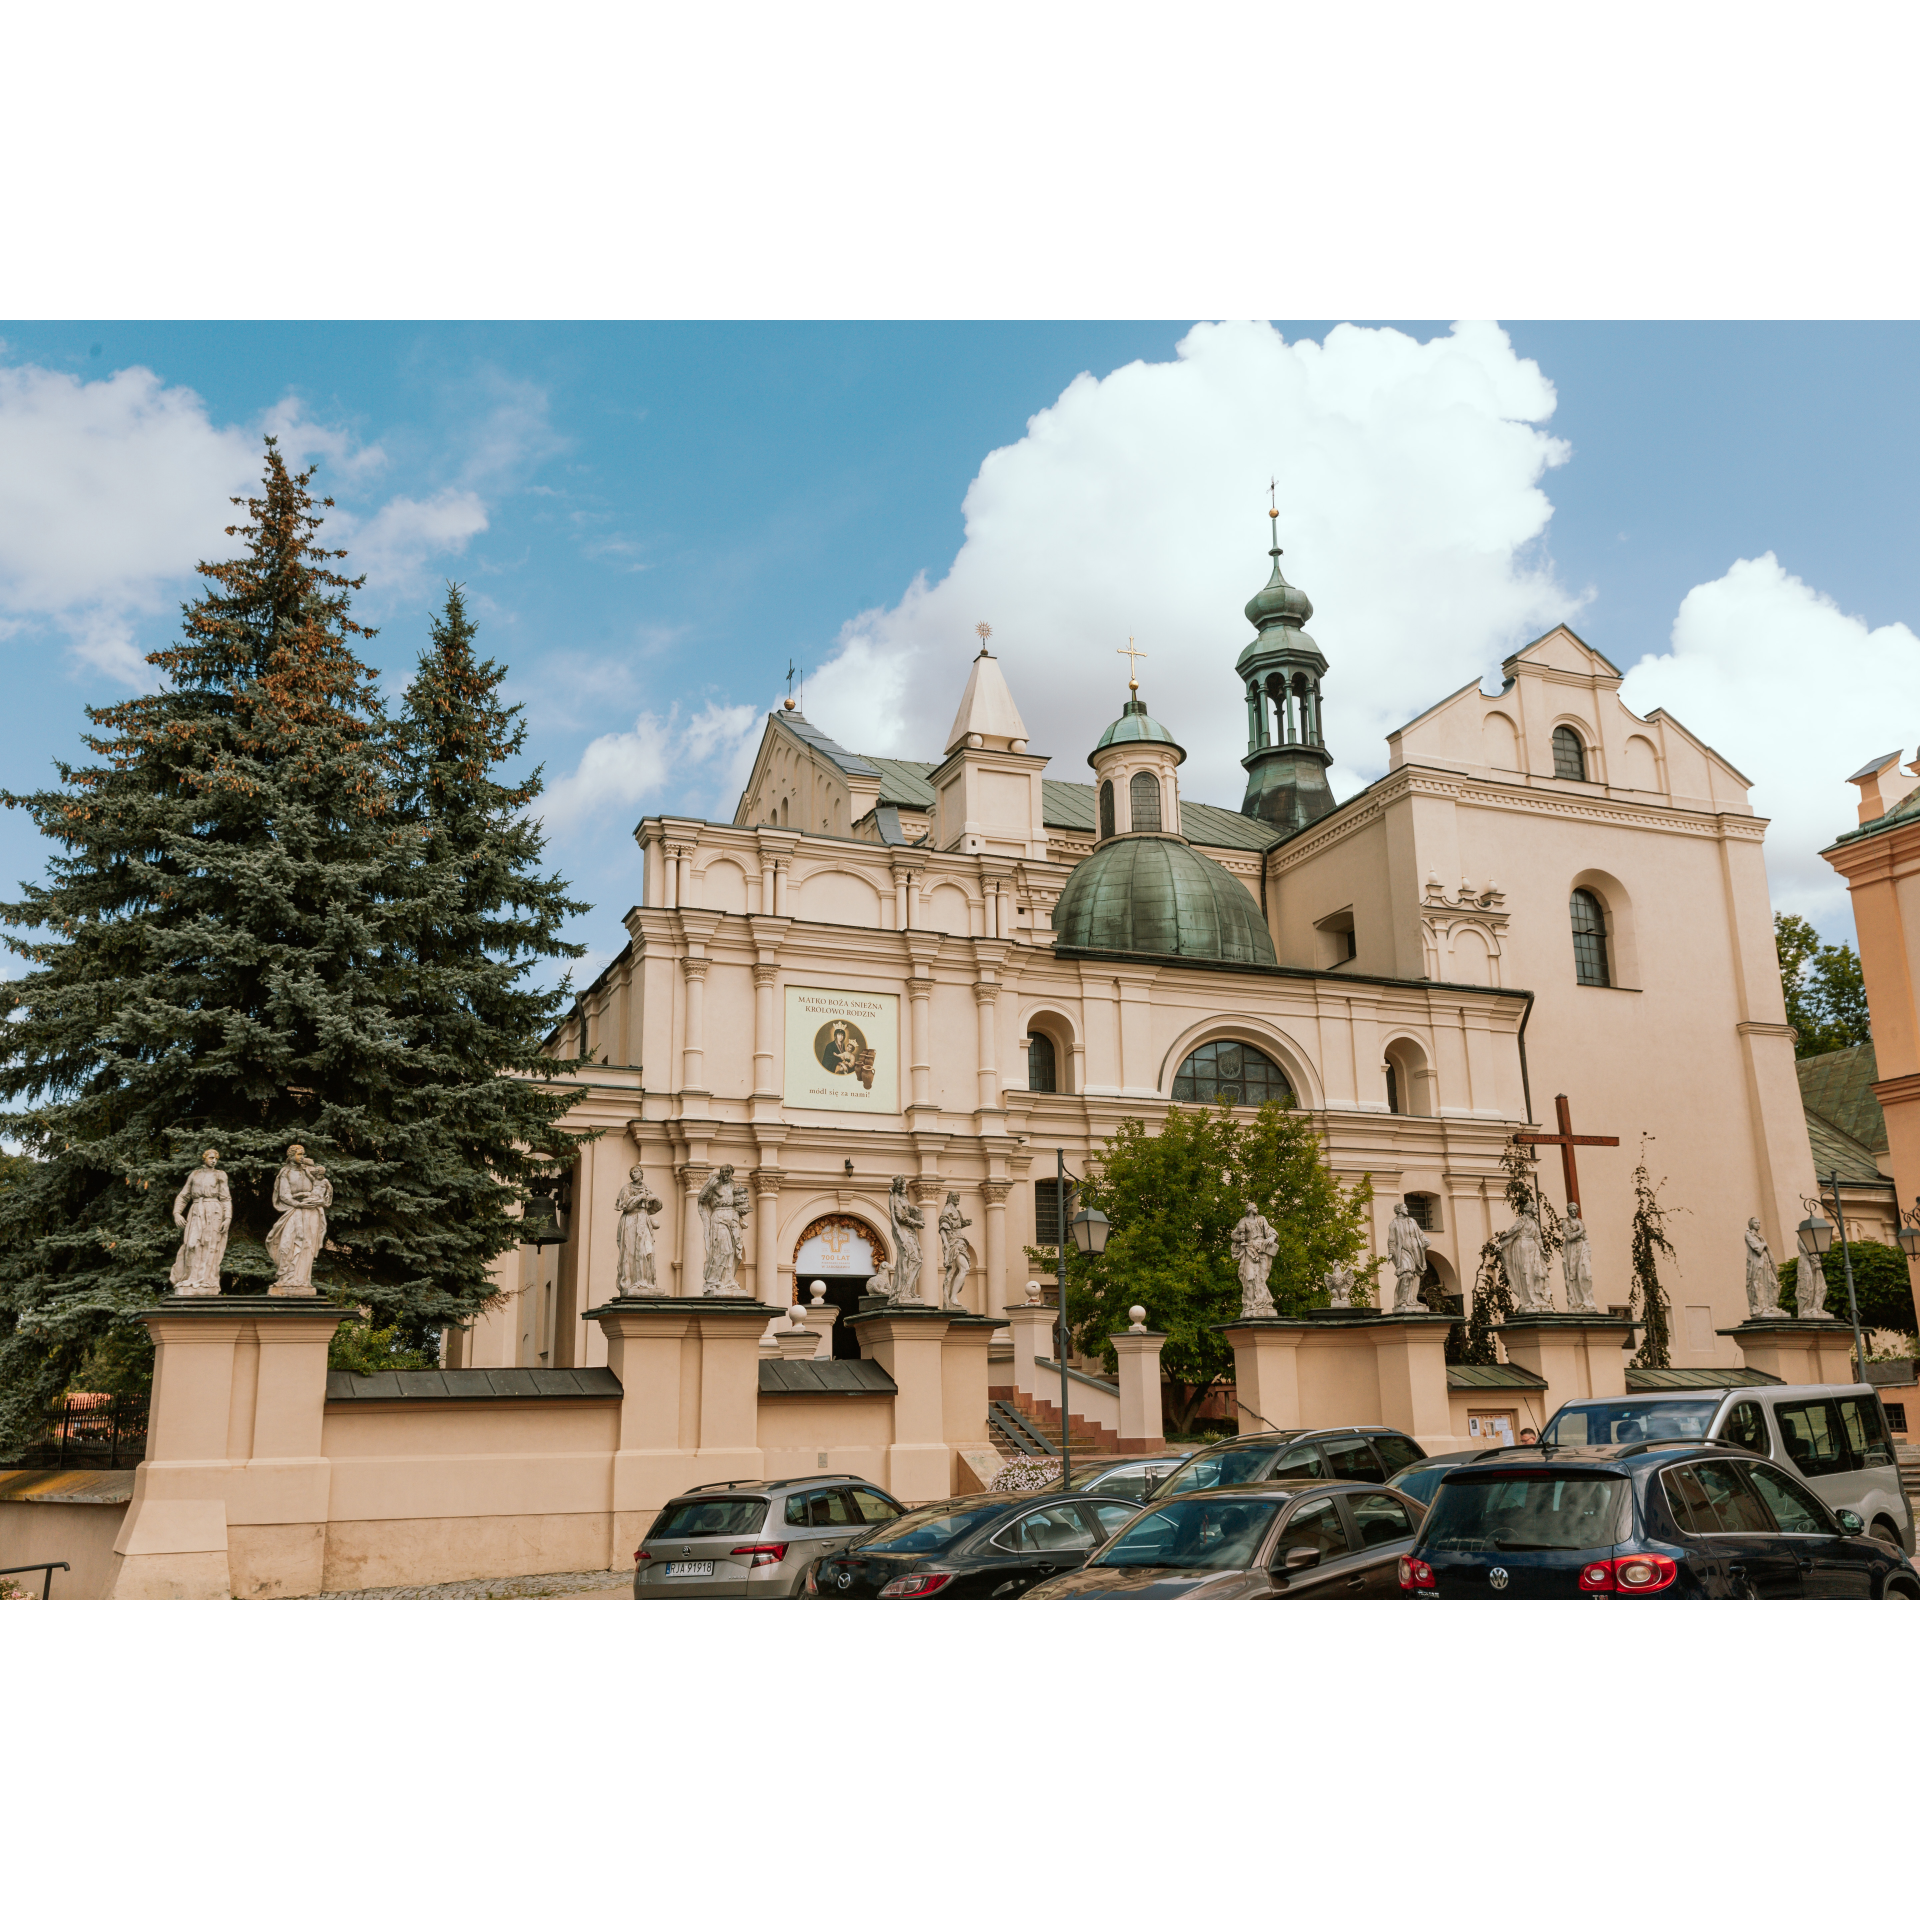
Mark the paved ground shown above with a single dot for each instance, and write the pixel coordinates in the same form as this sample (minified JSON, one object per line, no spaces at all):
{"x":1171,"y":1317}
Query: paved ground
{"x":599,"y":1585}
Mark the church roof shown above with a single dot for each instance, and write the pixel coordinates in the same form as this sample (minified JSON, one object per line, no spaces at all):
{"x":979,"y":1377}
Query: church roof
{"x":1845,"y":1124}
{"x":1153,"y":894}
{"x":1136,"y":723}
{"x":800,"y":726}
{"x":987,"y":707}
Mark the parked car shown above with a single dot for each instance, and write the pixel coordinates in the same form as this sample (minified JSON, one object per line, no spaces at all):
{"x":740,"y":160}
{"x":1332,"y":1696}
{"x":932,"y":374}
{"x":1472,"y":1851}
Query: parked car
{"x":1422,"y":1480}
{"x":1132,"y":1479}
{"x":1371,"y":1454}
{"x":753,"y":1539}
{"x":1677,"y":1519}
{"x":1834,"y":1437}
{"x":1300,"y":1540}
{"x":986,"y":1546}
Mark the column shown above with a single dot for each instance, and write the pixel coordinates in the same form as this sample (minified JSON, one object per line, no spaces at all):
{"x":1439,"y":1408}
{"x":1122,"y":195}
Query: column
{"x":780,"y":889}
{"x":993,"y":1291}
{"x":1033,"y":1323}
{"x":766,"y":1183}
{"x":985,"y":997}
{"x":693,"y":1249}
{"x":693,"y":1056}
{"x":920,"y":996}
{"x":670,"y":876}
{"x":1142,"y":1426}
{"x":685,"y":856}
{"x":929,"y":1195}
{"x":767,"y":869}
{"x":766,"y":977}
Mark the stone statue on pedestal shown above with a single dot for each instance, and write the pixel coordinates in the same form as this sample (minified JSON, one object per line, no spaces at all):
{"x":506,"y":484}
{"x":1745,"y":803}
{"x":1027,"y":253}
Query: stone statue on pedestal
{"x":636,"y":1203}
{"x":1340,"y":1285}
{"x":302,"y":1193}
{"x":1254,"y":1244}
{"x":203,"y":1210}
{"x":1763,"y":1284}
{"x":1523,"y":1259}
{"x":723,"y":1208}
{"x":1576,"y":1256}
{"x":1407,"y":1249}
{"x":907,"y":1258}
{"x":1810,"y":1287}
{"x":956,"y":1255}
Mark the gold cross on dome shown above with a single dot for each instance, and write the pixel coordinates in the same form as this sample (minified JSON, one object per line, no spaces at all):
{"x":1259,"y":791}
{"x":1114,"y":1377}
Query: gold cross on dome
{"x":1134,"y":656}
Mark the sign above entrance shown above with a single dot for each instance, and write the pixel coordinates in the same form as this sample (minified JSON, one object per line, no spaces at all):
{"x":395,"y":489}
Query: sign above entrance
{"x":843,"y":1050}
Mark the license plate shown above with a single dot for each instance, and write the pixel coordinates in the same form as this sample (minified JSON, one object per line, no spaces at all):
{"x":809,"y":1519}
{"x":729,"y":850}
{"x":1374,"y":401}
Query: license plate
{"x":689,"y":1569}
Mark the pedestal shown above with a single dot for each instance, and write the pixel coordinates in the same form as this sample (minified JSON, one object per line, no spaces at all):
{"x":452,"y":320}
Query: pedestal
{"x":231,"y":1500}
{"x":1581,"y":1356}
{"x":1032,"y":1331}
{"x":907,"y":1342}
{"x":1797,"y":1352}
{"x":1142,"y":1424}
{"x":1373,"y":1369}
{"x":689,"y":1372}
{"x":1266,"y":1373}
{"x":963,"y":1387}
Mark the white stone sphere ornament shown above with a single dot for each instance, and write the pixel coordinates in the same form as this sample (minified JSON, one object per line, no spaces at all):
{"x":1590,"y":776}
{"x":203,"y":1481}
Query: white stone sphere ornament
{"x":797,"y":1314}
{"x":819,"y":1292}
{"x":1138,"y":1318}
{"x":1033,"y":1293}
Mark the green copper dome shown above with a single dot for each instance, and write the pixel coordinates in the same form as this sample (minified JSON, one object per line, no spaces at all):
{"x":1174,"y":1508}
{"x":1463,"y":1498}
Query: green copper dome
{"x":1279,"y":599}
{"x":1134,"y":724}
{"x":1147,"y":893}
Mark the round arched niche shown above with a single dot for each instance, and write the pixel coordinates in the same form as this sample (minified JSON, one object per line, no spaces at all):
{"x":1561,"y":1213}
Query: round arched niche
{"x":841,"y":1251}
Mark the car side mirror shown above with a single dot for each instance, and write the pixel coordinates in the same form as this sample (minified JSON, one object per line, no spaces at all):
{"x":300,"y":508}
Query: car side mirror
{"x":1850,"y":1522}
{"x":1300,"y":1558}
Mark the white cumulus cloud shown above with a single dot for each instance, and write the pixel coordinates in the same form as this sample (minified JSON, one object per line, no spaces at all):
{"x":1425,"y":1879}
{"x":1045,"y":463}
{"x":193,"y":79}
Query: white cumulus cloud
{"x":1409,"y":492}
{"x":705,"y":759}
{"x":1797,"y":694}
{"x":393,"y":547}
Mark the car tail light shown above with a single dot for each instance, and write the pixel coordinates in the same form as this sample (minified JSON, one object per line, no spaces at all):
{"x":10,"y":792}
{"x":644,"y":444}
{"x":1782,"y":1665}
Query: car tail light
{"x":1414,"y":1573}
{"x":639,"y":1554}
{"x":764,"y":1554}
{"x":1598,"y":1578}
{"x":1645,"y":1572}
{"x":813,"y":1577}
{"x":914,"y":1586}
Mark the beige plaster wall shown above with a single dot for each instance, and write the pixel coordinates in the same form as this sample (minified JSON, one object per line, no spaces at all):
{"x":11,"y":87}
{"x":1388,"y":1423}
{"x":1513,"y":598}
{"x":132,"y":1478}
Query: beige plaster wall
{"x":853,"y":1435}
{"x":80,"y":1534}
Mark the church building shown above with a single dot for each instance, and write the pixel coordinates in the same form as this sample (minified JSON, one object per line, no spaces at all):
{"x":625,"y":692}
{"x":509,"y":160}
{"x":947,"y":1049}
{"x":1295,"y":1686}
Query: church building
{"x":945,"y":972}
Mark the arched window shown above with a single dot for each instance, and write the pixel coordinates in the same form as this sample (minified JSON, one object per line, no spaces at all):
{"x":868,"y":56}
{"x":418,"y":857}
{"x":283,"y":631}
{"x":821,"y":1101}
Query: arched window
{"x":1106,"y":809}
{"x":1393,"y":1089}
{"x":1042,"y":1068}
{"x":1224,"y":1069}
{"x":1589,"y":940}
{"x":1569,"y":756}
{"x":1143,"y":802}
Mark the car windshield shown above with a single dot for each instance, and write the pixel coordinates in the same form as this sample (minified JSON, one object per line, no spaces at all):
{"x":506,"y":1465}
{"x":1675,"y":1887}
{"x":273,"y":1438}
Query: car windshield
{"x":704,"y":1519}
{"x":1191,"y":1534}
{"x":1488,"y":1513}
{"x":1606,"y":1423}
{"x":1227,"y":1467}
{"x":928,"y":1529}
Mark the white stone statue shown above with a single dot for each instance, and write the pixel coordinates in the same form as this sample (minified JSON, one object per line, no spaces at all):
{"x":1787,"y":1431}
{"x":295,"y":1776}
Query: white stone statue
{"x":1254,"y":1244}
{"x":1340,"y":1285}
{"x":302,"y":1193}
{"x":1763,"y":1284}
{"x":203,"y":1210}
{"x":956,"y":1254}
{"x":1576,"y":1256}
{"x":1523,"y":1259}
{"x":1810,"y":1288}
{"x":880,"y":1282}
{"x":907,"y":1259}
{"x":723,"y":1208}
{"x":1407,"y":1249}
{"x":636,"y":1203}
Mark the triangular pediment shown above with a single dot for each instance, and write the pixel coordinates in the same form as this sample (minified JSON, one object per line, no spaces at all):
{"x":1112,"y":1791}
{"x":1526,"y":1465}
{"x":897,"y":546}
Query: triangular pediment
{"x":1563,"y":648}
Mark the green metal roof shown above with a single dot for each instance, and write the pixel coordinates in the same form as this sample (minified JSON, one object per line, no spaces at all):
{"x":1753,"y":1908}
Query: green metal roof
{"x":825,"y":1376}
{"x":1837,"y":1152}
{"x":904,"y":783}
{"x":1838,"y":1087}
{"x":1494,"y":1377}
{"x":1135,"y":723}
{"x":802,"y":728}
{"x":1150,"y":893}
{"x":1668,"y":1379}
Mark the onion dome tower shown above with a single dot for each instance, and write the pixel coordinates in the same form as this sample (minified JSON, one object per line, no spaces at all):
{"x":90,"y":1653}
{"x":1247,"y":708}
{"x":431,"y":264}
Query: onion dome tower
{"x":1287,"y":757}
{"x":1144,"y":889}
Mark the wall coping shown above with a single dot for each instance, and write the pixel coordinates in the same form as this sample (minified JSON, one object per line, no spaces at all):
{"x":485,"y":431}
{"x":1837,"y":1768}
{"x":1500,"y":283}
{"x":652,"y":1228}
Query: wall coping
{"x":476,"y":1383}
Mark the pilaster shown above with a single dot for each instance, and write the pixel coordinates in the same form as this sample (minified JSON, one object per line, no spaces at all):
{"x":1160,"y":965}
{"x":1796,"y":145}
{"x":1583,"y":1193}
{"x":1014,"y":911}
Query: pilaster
{"x":1142,"y":1424}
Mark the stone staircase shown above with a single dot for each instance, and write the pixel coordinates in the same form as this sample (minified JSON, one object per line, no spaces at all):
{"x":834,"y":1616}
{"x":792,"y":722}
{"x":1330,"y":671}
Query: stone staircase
{"x":1043,"y":1417}
{"x":1909,"y":1459}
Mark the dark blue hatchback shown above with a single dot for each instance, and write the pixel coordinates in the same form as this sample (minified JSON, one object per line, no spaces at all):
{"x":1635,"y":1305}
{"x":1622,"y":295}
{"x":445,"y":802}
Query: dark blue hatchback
{"x":1684,"y":1520}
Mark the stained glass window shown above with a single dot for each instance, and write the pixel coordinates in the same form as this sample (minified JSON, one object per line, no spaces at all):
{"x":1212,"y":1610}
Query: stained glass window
{"x":1243,"y":1075}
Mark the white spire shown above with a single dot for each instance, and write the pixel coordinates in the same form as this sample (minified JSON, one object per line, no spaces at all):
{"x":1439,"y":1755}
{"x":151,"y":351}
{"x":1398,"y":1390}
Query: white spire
{"x":987,"y":708}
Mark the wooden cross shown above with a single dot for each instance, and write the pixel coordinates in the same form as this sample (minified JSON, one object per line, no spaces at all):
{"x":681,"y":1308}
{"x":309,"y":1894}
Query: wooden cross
{"x":1134,"y":656}
{"x":1566,"y":1140}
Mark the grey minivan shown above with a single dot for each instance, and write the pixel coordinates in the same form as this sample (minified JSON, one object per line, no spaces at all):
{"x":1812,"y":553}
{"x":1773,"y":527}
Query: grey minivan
{"x":753,"y":1539}
{"x":1834,"y":1437}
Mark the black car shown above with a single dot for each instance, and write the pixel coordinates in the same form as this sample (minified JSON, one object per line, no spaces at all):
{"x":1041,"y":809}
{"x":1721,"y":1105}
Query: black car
{"x":1370,"y":1454}
{"x":1295,"y":1540}
{"x":1422,"y":1479}
{"x":987,"y":1546}
{"x":1677,"y":1519}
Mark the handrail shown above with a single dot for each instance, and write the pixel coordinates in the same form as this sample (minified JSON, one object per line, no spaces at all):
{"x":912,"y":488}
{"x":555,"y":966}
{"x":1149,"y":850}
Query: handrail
{"x":38,"y":1566}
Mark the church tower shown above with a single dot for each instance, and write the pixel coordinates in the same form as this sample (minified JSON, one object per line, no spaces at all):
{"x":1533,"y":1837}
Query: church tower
{"x":1287,"y":757}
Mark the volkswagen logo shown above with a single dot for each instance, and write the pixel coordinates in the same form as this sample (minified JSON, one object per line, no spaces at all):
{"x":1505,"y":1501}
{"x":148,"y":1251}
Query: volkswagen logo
{"x":1497,"y":1579}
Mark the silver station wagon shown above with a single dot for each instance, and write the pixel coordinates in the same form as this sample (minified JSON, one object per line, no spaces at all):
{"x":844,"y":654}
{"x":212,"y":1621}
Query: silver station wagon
{"x":753,"y":1539}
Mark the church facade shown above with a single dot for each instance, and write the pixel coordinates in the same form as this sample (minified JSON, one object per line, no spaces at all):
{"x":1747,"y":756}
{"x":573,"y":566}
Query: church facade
{"x":948,"y":973}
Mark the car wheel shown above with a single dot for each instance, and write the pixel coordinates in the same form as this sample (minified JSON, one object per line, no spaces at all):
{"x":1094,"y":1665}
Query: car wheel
{"x":1894,"y":1592}
{"x":1884,"y":1529}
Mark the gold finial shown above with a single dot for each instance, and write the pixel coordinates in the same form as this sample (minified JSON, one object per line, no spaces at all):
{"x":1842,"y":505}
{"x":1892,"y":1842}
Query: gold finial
{"x":986,"y":633}
{"x":1134,"y":656}
{"x":1273,"y":516}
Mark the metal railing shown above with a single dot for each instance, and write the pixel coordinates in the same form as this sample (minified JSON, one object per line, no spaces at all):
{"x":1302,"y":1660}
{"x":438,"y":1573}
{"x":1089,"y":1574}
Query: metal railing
{"x":40,"y":1566}
{"x":92,"y":1430}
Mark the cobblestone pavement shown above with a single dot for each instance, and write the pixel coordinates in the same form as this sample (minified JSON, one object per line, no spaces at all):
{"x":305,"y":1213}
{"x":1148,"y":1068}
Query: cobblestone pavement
{"x":522,"y":1586}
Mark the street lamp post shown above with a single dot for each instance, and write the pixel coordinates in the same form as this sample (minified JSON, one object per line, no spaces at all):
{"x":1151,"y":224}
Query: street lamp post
{"x":1090,"y":1228}
{"x":1816,"y":1236}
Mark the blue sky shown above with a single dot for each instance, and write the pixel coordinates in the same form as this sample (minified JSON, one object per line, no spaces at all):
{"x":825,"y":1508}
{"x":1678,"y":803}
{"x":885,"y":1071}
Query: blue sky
{"x":653,"y":518}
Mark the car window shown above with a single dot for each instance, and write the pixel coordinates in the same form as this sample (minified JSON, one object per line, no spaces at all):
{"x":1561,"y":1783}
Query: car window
{"x":1229,"y":1467}
{"x":1352,"y":1460}
{"x":1793,"y":1508}
{"x":1380,"y":1517}
{"x":1130,"y":1483}
{"x":821,"y":1508}
{"x":1712,"y":1497}
{"x":869,"y":1506}
{"x":1396,"y":1451}
{"x":1865,"y":1430}
{"x":1057,"y":1529}
{"x":1197,"y":1535}
{"x":1746,"y":1426}
{"x":930,"y":1529}
{"x":1481,"y":1513}
{"x":1299,"y":1463}
{"x":1113,"y":1515}
{"x":1814,"y":1436}
{"x":1314,"y":1524}
{"x":708,"y":1519}
{"x":1606,"y":1423}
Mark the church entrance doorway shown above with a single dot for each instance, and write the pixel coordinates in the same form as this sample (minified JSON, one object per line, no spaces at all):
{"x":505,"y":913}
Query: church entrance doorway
{"x":843,"y":1253}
